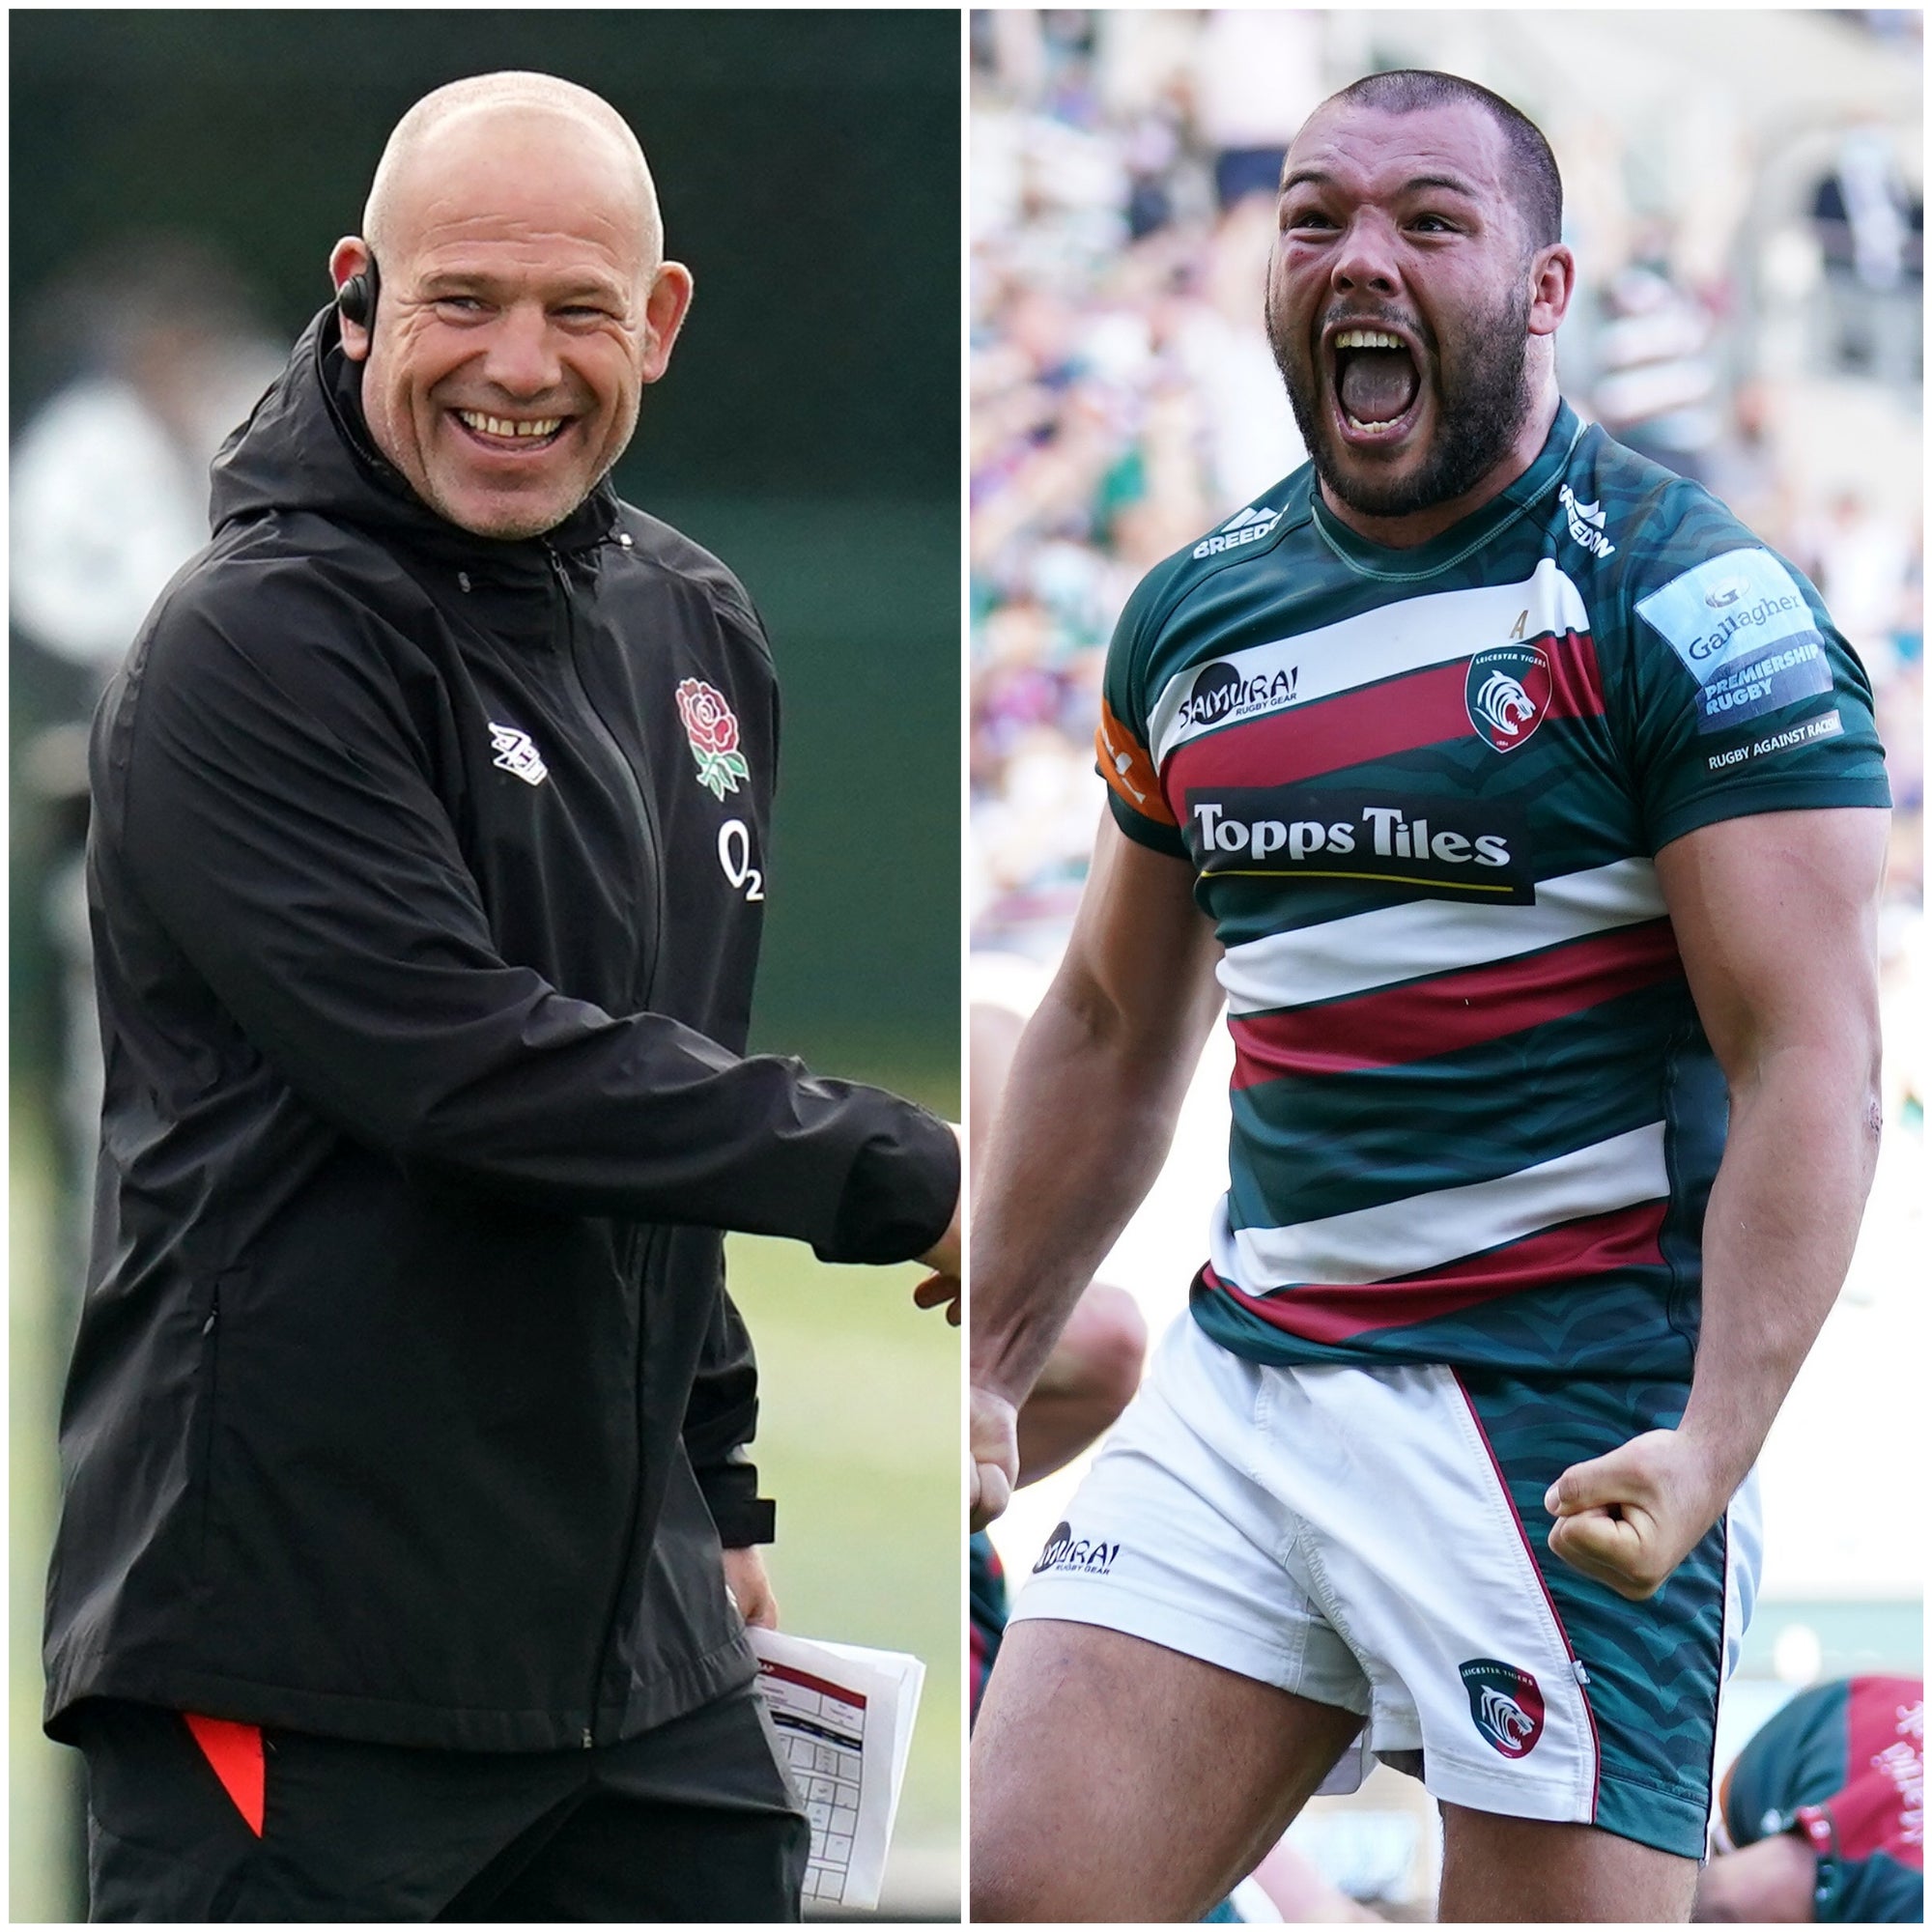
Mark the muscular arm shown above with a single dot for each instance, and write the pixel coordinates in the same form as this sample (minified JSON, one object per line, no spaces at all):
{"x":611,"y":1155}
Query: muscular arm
{"x":1086,"y":1119}
{"x":1775,"y":918}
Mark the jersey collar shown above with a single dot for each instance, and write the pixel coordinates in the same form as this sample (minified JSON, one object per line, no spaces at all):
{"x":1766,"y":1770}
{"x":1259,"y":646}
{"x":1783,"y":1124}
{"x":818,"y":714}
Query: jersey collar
{"x":1470,"y":532}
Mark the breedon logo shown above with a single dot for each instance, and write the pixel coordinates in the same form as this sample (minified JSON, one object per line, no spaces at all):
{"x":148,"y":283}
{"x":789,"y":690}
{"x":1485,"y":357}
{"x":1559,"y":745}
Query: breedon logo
{"x":1507,"y":691}
{"x":1505,"y":1703}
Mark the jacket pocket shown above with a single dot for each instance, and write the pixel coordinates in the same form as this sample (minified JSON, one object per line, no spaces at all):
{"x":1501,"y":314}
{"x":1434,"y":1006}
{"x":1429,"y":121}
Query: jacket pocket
{"x":206,"y":1426}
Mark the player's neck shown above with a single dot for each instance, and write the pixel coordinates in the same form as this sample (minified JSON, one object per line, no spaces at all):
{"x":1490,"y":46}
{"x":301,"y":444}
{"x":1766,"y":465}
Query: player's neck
{"x":1418,"y":527}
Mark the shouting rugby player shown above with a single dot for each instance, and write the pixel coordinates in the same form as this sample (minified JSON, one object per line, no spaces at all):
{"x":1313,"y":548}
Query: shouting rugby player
{"x":1529,"y":813}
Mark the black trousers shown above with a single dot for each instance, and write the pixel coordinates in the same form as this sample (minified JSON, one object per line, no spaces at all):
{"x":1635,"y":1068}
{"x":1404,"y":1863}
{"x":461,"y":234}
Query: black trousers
{"x":696,"y":1821}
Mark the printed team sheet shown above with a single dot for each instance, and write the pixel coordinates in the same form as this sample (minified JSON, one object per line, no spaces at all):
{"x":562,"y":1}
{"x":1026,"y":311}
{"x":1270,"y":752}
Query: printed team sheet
{"x":843,"y":1717}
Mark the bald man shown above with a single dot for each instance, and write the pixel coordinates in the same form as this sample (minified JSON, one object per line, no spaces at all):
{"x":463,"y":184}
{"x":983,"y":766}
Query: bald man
{"x":404,"y":1439}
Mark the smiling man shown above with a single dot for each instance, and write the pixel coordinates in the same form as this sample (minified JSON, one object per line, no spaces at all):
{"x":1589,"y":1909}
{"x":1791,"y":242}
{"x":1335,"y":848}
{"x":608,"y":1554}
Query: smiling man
{"x":1528,"y":815}
{"x":536,"y":302}
{"x":403,"y":1444}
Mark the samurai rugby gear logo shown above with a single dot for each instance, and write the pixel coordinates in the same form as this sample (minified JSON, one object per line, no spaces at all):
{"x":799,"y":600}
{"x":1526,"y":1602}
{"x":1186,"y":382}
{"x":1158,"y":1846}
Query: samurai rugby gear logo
{"x":1221,"y":694}
{"x":712,"y":727}
{"x":1067,"y":1551}
{"x":1507,"y":693}
{"x":1505,"y":1703}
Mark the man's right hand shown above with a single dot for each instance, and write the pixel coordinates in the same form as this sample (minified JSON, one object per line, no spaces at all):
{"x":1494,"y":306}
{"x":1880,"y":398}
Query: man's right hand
{"x":994,"y":1432}
{"x":1628,"y":1519}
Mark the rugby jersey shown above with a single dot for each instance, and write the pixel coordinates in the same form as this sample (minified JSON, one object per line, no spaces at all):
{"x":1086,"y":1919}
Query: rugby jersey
{"x":1844,"y":1764}
{"x":1475,"y":1116}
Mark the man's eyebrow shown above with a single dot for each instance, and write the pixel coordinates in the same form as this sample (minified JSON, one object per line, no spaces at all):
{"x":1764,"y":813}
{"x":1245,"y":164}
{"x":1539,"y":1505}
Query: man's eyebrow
{"x":1314,"y":177}
{"x":484,"y":281}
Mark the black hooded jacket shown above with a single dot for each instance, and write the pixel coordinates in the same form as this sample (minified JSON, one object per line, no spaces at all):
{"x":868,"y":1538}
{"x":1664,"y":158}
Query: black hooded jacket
{"x":426,"y":882}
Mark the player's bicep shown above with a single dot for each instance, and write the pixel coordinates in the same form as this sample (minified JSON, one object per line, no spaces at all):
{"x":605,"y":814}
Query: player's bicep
{"x":1140,"y":965}
{"x":1775,"y":918}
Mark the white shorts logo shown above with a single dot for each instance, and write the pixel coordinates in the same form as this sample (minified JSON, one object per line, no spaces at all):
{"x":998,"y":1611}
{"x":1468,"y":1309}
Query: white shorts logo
{"x":1067,"y":1551}
{"x":1506,"y":1704}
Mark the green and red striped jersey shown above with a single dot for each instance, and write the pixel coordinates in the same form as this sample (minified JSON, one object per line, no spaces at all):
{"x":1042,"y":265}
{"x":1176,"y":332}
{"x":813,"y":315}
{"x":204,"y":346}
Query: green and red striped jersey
{"x":1475,"y":1116}
{"x":1844,"y":1764}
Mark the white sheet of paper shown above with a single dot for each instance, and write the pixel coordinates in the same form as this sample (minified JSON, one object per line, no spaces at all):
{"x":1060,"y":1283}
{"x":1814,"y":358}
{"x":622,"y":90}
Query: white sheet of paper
{"x":843,"y":1716}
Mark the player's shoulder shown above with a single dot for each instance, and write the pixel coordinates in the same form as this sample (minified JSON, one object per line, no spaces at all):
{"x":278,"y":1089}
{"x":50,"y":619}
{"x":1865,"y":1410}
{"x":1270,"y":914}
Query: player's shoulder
{"x":1260,"y":536}
{"x":1661,"y":528}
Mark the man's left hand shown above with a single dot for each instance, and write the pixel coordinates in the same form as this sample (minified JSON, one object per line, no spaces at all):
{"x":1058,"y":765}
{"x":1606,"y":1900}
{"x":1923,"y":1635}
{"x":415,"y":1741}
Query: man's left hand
{"x":1628,"y":1519}
{"x":940,"y":1290}
{"x":751,"y":1588}
{"x":944,"y":1257}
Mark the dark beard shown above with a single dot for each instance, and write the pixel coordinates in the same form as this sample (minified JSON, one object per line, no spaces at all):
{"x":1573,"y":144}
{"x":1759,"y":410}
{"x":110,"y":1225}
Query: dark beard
{"x":1482,"y":404}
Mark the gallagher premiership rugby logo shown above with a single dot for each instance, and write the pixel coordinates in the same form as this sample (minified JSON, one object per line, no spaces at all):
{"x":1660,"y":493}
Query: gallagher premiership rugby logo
{"x":713,"y":730}
{"x":1505,"y":1703}
{"x":1507,"y":693}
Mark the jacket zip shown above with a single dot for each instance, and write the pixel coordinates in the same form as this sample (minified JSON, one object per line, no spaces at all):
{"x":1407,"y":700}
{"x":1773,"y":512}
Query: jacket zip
{"x":654,"y":871}
{"x":619,"y":1591}
{"x":639,"y":792}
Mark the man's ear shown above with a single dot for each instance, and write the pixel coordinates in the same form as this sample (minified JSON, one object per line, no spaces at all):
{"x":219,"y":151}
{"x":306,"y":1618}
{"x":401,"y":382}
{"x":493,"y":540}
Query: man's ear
{"x":349,"y":256}
{"x":664,"y":309}
{"x":1553,"y":282}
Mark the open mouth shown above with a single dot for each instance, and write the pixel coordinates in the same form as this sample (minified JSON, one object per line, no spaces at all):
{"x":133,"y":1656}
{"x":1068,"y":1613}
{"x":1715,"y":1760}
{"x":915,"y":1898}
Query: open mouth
{"x":1376,"y":384}
{"x":512,"y":436}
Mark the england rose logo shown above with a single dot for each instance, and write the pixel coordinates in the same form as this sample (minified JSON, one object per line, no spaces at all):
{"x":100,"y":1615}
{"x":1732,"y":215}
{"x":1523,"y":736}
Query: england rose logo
{"x":713,"y":730}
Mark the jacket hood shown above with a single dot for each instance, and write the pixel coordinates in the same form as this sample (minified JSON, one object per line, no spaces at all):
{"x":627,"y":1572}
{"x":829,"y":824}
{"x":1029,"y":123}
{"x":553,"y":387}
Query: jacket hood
{"x":306,"y":446}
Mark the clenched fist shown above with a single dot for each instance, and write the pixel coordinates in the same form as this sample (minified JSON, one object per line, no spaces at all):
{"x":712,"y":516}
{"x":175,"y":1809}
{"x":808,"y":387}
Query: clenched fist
{"x":1628,"y":1519}
{"x":993,"y":1433}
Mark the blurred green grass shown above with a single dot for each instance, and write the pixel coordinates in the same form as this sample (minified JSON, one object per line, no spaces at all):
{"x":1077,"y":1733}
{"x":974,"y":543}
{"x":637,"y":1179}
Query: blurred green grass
{"x":859,"y":1438}
{"x":44,"y":1885}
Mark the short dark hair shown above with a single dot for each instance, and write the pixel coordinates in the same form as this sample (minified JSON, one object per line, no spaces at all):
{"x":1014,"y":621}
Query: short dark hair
{"x":1533,"y":181}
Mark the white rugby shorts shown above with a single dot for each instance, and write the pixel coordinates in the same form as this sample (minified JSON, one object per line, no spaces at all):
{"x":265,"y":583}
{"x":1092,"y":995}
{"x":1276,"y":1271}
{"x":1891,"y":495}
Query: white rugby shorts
{"x":1350,"y":1535}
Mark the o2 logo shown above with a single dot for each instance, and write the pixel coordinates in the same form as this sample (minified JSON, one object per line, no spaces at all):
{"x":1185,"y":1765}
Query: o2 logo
{"x":734,"y":856}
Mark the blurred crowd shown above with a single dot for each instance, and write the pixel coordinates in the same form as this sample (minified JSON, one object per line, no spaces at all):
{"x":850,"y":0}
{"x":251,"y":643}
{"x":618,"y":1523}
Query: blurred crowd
{"x":134,"y":363}
{"x":1123,"y":401}
{"x":140,"y":358}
